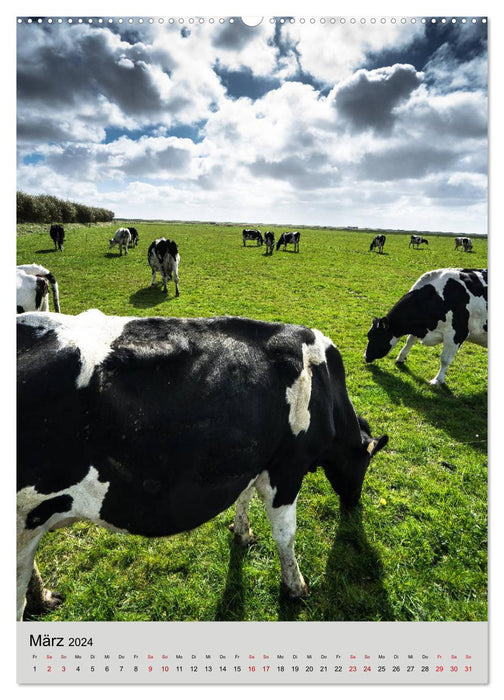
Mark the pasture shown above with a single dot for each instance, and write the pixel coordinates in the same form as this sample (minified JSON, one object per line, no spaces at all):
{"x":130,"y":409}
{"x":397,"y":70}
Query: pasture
{"x":416,"y":546}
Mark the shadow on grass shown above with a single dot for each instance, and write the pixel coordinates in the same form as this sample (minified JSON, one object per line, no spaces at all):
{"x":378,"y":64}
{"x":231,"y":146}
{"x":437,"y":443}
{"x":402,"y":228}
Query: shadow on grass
{"x":352,"y":587}
{"x":458,"y":416}
{"x":148,"y":297}
{"x":231,"y":607}
{"x":44,"y":251}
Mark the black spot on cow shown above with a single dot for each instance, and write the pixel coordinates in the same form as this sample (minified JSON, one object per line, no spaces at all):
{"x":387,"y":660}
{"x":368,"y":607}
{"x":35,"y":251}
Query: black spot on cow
{"x":456,"y":297}
{"x":473,"y":282}
{"x":41,"y":513}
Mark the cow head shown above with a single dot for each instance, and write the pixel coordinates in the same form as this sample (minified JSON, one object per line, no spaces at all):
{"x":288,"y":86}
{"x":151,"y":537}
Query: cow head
{"x":380,"y":339}
{"x":347,"y":468}
{"x":111,"y":243}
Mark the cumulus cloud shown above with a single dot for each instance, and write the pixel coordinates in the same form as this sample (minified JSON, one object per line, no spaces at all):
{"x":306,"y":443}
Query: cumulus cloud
{"x":368,"y":99}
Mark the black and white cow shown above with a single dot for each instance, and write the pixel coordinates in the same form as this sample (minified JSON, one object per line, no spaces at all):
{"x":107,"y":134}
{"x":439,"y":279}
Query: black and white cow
{"x":32,"y":288}
{"x":289,"y":238}
{"x":222,"y":406}
{"x":57,"y":233}
{"x":378,"y":242}
{"x":416,"y":241}
{"x":163,"y":257}
{"x":134,"y":236}
{"x":445,"y":306}
{"x":269,"y":240}
{"x":463,"y":242}
{"x":122,"y":238}
{"x":252,"y":234}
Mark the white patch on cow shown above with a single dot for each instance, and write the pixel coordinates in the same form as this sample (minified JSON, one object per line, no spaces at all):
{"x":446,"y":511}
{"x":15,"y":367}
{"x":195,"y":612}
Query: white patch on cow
{"x":87,"y":499}
{"x":91,"y":332}
{"x":298,"y":395}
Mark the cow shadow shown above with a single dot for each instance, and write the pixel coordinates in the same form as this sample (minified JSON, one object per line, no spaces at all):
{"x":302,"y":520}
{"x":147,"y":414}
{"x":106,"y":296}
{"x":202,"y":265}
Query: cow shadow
{"x":44,"y":251}
{"x":231,"y":606}
{"x":438,"y":409}
{"x":352,"y":587}
{"x":147,"y":297}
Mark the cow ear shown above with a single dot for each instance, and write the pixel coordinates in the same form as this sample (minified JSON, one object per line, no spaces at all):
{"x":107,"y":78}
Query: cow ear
{"x":376,"y":444}
{"x":384,"y":323}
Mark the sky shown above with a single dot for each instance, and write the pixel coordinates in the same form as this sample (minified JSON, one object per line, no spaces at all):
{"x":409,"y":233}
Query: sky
{"x":380,"y":125}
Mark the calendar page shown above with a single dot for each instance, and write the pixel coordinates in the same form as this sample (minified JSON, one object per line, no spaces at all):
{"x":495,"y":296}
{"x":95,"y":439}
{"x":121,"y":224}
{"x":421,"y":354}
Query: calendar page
{"x":252,"y":374}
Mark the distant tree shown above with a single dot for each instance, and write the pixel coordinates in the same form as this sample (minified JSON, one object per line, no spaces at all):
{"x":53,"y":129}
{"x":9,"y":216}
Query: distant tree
{"x":47,"y":209}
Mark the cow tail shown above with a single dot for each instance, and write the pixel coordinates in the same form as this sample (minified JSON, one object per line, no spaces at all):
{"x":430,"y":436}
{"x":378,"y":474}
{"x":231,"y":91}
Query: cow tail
{"x":54,"y":286}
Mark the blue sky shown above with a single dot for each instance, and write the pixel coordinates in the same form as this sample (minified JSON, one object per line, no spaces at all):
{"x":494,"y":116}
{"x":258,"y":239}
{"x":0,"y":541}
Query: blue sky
{"x":356,"y":124}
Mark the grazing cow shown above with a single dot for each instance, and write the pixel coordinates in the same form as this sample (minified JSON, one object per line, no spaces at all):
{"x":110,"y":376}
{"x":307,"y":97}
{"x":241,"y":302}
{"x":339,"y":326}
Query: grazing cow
{"x":289,"y":237}
{"x":222,"y":406}
{"x":32,"y":288}
{"x":464,"y":242}
{"x":269,"y":239}
{"x":134,"y":236}
{"x":444,"y":306}
{"x":378,"y":242}
{"x":122,"y":238}
{"x":416,"y":241}
{"x":252,"y":234}
{"x":163,"y":257}
{"x":57,"y":233}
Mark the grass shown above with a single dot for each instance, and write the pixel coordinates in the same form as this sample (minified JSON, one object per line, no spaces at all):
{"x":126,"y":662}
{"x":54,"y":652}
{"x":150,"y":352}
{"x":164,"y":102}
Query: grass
{"x":415,"y":548}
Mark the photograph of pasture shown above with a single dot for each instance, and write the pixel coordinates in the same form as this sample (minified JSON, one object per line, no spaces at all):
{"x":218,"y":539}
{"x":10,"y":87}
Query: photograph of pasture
{"x":252,"y":319}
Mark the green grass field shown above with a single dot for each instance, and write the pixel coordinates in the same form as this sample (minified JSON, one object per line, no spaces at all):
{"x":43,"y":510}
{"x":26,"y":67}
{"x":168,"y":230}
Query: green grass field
{"x":416,"y":547}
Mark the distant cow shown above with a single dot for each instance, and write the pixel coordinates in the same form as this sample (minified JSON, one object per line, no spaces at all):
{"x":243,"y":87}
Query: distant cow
{"x":269,"y":239}
{"x":464,"y":242}
{"x":205,"y":394}
{"x":32,"y":288}
{"x":122,"y":238}
{"x":134,"y":236}
{"x":416,"y":241}
{"x":252,"y":234}
{"x":57,"y":233}
{"x":289,"y":238}
{"x":444,"y":306}
{"x":163,"y":257}
{"x":378,"y":242}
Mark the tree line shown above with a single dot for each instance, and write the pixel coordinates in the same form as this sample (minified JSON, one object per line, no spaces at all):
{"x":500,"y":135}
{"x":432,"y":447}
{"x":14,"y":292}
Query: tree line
{"x":46,"y":209}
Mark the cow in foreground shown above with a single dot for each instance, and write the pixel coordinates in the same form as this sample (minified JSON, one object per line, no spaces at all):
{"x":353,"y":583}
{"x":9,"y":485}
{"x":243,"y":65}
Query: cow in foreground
{"x":416,"y":241}
{"x":134,"y":236}
{"x":222,"y":406}
{"x":378,"y":242}
{"x":289,"y":238}
{"x":269,"y":240}
{"x":32,"y":288}
{"x":252,"y":234}
{"x":463,"y":242}
{"x":163,"y":257}
{"x":445,"y":306}
{"x":57,"y":233}
{"x":122,"y":238}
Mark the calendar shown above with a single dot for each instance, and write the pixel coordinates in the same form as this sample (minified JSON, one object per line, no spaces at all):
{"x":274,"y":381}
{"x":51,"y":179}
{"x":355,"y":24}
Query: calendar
{"x":252,"y":315}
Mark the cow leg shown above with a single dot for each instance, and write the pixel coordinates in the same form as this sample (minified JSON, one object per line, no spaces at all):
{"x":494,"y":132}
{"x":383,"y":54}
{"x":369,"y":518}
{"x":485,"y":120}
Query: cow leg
{"x":449,"y":351}
{"x":153,"y":278}
{"x":283,"y":527}
{"x":26,"y":547}
{"x":40,"y":600}
{"x":410,"y":341}
{"x":241,"y":526}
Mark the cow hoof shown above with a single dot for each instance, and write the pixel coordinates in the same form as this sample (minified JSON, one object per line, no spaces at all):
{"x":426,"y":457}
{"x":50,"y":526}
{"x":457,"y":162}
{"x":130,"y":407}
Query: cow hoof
{"x":436,"y":382}
{"x":297,"y":594}
{"x":400,"y":363}
{"x":39,"y":606}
